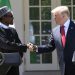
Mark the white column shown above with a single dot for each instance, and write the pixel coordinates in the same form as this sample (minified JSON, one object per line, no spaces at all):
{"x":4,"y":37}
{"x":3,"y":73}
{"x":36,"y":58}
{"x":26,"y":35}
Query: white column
{"x":17,"y":8}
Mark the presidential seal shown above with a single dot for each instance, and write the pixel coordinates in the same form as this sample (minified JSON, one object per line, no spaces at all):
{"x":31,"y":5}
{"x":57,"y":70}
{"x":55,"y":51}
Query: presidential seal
{"x":1,"y":58}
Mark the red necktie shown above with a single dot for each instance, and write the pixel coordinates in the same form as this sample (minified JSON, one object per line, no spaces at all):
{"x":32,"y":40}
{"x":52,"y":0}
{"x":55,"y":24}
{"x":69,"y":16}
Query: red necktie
{"x":63,"y":37}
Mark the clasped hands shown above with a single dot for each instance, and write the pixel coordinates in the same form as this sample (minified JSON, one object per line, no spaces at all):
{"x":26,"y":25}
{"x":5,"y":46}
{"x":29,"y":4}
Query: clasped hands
{"x":31,"y":47}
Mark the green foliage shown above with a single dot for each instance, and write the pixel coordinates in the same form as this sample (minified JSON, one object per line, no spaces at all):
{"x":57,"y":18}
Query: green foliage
{"x":5,"y":3}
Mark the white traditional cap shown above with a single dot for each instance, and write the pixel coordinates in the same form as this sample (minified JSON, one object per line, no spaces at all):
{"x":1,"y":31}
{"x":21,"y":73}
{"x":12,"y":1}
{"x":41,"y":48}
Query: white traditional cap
{"x":4,"y":10}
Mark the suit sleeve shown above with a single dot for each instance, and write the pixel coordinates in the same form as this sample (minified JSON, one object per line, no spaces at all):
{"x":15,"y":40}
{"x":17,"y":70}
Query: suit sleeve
{"x":49,"y":47}
{"x":7,"y":46}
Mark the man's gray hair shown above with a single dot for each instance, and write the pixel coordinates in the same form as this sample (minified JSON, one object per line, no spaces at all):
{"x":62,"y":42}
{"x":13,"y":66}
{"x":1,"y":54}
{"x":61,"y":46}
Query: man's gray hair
{"x":61,"y":9}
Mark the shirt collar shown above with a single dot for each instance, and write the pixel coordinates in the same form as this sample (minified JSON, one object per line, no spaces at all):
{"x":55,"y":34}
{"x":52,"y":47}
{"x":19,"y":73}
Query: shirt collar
{"x":4,"y":26}
{"x":66,"y":24}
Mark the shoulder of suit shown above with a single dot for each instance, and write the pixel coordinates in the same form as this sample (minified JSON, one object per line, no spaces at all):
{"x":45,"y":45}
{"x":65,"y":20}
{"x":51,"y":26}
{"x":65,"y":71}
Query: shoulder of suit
{"x":72,"y":22}
{"x":13,"y":29}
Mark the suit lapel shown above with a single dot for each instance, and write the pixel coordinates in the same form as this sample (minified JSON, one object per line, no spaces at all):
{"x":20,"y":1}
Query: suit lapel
{"x":70,"y":31}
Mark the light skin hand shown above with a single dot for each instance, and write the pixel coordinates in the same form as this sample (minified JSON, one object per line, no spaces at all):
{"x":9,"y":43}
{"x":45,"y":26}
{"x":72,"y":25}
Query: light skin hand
{"x":31,"y":47}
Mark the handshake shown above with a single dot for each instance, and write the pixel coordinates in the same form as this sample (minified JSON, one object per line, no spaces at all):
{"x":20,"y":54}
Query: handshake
{"x":32,"y":47}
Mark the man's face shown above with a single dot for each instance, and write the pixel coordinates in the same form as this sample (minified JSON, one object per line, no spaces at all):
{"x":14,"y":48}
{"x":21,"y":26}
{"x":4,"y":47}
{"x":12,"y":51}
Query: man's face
{"x":58,"y":18}
{"x":8,"y":18}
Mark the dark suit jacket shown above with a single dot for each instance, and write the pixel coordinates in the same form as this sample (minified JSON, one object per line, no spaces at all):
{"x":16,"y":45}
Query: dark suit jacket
{"x":10,"y":42}
{"x":64,"y":54}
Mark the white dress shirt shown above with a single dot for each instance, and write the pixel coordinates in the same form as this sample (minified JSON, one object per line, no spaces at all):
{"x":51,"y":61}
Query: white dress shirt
{"x":3,"y":25}
{"x":66,"y":26}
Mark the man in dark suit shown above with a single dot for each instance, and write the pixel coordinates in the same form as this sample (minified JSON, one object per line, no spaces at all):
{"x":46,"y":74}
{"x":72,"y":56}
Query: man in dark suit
{"x":63,"y":39}
{"x":9,"y":41}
